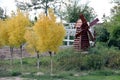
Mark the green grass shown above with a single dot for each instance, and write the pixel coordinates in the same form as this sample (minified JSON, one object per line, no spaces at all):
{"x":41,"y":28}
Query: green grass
{"x":67,"y":65}
{"x":98,"y":78}
{"x":29,"y":66}
{"x":71,"y":76}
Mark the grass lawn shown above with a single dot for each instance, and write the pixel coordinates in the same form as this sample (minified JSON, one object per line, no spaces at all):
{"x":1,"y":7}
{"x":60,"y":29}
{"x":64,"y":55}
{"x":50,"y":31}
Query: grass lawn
{"x":30,"y":70}
{"x":72,"y":77}
{"x":64,"y":68}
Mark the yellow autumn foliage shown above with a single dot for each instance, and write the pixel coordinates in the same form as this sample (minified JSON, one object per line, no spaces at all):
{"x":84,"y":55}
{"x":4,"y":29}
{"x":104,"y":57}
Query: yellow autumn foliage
{"x":31,"y":40}
{"x":50,"y":34}
{"x":17,"y":25}
{"x":3,"y":33}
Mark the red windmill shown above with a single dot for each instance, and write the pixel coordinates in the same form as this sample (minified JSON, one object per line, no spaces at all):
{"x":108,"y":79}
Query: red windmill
{"x":83,"y":35}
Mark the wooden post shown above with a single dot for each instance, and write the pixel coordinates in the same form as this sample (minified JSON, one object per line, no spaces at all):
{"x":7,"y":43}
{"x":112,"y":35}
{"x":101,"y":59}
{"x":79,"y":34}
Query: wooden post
{"x":68,"y":38}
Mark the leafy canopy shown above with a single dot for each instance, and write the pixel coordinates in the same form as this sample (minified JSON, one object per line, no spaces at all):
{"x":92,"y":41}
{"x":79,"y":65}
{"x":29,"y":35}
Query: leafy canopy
{"x":50,"y":34}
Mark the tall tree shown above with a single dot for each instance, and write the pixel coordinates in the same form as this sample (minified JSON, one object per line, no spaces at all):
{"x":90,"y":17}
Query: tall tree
{"x":73,"y":11}
{"x":113,"y":25}
{"x":57,"y":5}
{"x":35,"y":4}
{"x":1,"y":13}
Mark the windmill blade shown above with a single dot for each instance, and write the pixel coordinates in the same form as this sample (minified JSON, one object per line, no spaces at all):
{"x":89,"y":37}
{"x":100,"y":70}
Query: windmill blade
{"x":94,"y":22}
{"x":84,"y":21}
{"x":83,"y":18}
{"x":90,"y":35}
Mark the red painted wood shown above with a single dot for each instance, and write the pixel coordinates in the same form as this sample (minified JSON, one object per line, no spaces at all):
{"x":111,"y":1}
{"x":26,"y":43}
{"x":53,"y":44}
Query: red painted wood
{"x":81,"y":41}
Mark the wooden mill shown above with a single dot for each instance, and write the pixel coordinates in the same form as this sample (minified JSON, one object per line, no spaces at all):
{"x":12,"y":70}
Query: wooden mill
{"x":83,"y":35}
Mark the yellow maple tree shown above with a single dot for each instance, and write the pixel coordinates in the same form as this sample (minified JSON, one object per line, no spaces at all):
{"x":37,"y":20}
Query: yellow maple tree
{"x":4,"y":32}
{"x":17,"y":25}
{"x":31,"y":40}
{"x":32,"y":43}
{"x":50,"y":34}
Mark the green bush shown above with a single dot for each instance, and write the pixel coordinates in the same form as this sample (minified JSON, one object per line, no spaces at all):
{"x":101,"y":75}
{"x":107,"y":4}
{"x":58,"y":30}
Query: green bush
{"x":15,"y":73}
{"x":102,"y":34}
{"x":94,"y":61}
{"x":69,"y":60}
{"x":98,"y":57}
{"x":113,"y":60}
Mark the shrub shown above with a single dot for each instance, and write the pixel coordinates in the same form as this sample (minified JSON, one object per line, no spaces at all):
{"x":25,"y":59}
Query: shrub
{"x":94,"y":61}
{"x":16,"y":73}
{"x":113,"y":60}
{"x":69,"y":60}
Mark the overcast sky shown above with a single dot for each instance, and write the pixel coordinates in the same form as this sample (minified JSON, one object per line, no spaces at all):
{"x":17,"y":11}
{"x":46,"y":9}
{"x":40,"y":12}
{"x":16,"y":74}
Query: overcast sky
{"x":100,"y":6}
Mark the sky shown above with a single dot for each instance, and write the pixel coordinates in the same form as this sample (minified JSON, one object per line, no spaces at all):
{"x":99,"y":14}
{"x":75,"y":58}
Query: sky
{"x":100,"y":6}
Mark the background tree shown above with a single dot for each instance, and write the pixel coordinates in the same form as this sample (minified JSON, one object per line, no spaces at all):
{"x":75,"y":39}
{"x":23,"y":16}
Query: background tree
{"x":73,"y":11}
{"x":57,"y":5}
{"x":113,"y":25}
{"x":102,"y":34}
{"x":1,"y":13}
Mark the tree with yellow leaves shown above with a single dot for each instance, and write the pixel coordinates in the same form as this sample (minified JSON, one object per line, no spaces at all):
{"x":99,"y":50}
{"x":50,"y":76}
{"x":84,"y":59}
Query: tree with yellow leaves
{"x":3,"y":33}
{"x":50,"y":34}
{"x":17,"y":25}
{"x":31,"y":43}
{"x":4,"y":36}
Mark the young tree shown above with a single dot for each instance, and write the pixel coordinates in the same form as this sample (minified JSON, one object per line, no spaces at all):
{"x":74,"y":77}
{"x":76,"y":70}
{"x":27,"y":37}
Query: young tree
{"x":32,"y":43}
{"x":50,"y":34}
{"x":4,"y":37}
{"x":17,"y":25}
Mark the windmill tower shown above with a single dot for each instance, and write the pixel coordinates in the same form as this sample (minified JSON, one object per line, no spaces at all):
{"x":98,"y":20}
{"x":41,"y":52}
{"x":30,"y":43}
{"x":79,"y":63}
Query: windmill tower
{"x":83,"y":34}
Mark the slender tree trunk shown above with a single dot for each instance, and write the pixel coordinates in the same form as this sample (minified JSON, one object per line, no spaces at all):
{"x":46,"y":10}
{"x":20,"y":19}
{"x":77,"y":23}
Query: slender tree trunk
{"x":46,"y":7}
{"x":11,"y":53}
{"x":51,"y":63}
{"x":38,"y":60}
{"x":21,"y":55}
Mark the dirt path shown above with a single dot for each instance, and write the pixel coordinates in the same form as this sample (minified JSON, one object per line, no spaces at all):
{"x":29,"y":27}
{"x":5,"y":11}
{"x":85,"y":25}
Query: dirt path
{"x":12,"y":78}
{"x":5,"y":53}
